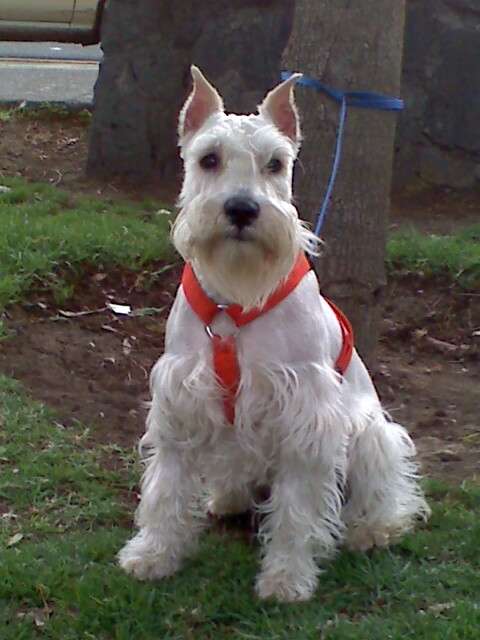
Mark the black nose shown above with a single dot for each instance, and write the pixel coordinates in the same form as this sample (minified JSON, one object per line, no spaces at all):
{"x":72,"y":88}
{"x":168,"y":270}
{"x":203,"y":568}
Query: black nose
{"x":241,"y":211}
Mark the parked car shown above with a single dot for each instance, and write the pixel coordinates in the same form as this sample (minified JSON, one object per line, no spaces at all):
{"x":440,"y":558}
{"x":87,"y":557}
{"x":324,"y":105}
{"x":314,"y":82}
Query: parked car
{"x":51,"y":20}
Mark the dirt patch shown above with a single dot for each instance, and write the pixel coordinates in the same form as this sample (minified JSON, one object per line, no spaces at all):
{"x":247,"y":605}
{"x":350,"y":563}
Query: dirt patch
{"x":429,"y":372}
{"x":94,"y":368}
{"x":55,"y":150}
{"x":44,"y":150}
{"x":437,"y":210}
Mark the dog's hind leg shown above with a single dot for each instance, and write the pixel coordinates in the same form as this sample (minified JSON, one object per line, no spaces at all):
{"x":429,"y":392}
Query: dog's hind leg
{"x":384,"y":497}
{"x":303,"y":524}
{"x":166,"y":516}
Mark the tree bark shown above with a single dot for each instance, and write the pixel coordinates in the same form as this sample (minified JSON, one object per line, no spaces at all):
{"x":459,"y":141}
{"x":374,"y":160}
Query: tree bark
{"x":350,"y":46}
{"x":144,"y":78}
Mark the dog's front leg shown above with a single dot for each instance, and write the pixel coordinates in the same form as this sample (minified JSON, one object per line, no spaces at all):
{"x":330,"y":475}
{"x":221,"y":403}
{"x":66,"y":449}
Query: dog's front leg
{"x":303,"y":524}
{"x":166,"y":517}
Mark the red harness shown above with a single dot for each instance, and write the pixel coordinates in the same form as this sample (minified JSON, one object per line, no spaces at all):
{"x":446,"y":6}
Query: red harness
{"x":225,"y":361}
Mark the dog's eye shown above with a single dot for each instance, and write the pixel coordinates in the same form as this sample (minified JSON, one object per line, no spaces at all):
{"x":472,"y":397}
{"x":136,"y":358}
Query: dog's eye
{"x":275,"y":165}
{"x":210,"y":161}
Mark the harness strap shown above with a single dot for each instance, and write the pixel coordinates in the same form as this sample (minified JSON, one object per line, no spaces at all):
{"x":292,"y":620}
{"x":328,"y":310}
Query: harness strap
{"x":225,"y":361}
{"x":227,"y":370}
{"x":345,"y":355}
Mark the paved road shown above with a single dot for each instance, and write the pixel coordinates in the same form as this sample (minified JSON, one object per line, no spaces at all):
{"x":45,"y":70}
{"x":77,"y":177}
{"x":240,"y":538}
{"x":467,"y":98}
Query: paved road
{"x":49,"y":50}
{"x":47,"y":72}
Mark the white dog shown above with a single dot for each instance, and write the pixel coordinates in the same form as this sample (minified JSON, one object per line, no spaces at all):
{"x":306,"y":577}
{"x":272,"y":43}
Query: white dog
{"x":250,"y":391}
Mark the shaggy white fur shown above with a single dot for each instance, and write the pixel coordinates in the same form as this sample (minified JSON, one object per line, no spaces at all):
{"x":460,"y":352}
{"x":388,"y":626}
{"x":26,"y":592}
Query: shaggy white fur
{"x":339,"y":469}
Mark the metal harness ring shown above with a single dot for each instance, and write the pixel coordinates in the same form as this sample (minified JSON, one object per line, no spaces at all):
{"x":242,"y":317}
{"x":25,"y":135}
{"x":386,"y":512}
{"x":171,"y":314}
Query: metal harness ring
{"x":209,"y":332}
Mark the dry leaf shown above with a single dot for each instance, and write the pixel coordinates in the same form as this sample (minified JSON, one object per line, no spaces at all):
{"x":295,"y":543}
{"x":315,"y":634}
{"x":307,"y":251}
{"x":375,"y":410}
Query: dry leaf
{"x":14,"y":539}
{"x":38,"y":616}
{"x":439,"y":608}
{"x":98,"y":277}
{"x":441,"y":345}
{"x":107,"y":327}
{"x":127,"y":347}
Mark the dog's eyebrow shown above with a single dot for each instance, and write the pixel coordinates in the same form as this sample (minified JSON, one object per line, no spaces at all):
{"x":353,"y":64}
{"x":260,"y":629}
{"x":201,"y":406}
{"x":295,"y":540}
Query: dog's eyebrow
{"x":282,"y":150}
{"x":261,"y":142}
{"x":206,"y":143}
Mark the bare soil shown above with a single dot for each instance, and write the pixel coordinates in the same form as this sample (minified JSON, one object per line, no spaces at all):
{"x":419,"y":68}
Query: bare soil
{"x":45,"y":149}
{"x":94,"y":368}
{"x":55,"y":150}
{"x":435,"y":210}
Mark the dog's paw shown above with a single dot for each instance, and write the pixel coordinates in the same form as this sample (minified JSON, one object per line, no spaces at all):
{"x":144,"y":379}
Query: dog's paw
{"x":145,"y":562}
{"x":284,"y":587}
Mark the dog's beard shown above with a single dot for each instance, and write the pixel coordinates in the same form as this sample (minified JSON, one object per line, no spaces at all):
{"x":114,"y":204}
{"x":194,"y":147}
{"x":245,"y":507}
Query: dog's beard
{"x":243,"y":272}
{"x":243,"y":268}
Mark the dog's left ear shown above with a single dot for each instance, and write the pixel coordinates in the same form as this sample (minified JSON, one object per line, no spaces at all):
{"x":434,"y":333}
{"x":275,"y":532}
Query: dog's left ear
{"x":200,"y":104}
{"x":279,"y":107}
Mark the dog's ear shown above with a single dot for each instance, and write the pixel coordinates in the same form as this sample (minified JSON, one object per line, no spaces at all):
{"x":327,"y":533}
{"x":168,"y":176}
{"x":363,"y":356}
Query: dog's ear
{"x":279,"y":107}
{"x":200,"y":104}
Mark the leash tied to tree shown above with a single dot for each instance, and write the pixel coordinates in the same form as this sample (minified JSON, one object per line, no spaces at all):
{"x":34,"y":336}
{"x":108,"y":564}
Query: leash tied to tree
{"x":360,"y":99}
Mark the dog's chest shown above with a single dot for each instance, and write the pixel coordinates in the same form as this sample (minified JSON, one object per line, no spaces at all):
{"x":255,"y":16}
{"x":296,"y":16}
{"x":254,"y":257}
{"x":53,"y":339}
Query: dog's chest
{"x":294,"y":332}
{"x":282,"y":357}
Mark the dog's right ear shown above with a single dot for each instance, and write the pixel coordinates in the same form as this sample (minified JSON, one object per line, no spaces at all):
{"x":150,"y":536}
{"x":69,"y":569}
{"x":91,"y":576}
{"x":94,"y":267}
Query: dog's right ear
{"x":201,"y":103}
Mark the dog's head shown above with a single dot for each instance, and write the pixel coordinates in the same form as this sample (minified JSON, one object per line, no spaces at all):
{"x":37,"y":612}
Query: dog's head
{"x":237,"y":223}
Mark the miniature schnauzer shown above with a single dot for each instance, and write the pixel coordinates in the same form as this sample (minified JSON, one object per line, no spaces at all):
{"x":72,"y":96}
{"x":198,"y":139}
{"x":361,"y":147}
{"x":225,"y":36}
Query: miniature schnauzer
{"x":259,"y":384}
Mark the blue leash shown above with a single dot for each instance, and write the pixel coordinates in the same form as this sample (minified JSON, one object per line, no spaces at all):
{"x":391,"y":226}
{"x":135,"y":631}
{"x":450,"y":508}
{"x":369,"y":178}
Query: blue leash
{"x":361,"y":99}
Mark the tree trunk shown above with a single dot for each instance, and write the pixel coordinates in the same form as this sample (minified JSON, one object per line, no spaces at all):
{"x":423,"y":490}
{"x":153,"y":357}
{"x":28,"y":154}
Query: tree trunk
{"x":350,"y":46}
{"x":144,"y":78}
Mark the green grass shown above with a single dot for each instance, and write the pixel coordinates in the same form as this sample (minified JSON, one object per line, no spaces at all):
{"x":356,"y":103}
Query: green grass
{"x":46,"y":111}
{"x":45,"y":233}
{"x":59,"y":579}
{"x":455,"y":256}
